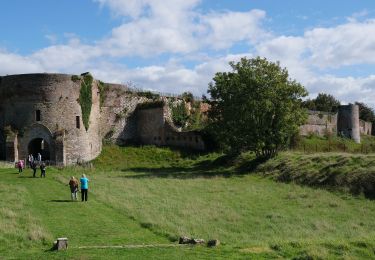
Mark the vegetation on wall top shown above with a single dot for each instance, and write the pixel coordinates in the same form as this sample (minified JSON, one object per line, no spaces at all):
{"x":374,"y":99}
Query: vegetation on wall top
{"x":151,"y":104}
{"x":148,"y":94}
{"x":75,"y":78}
{"x":103,"y":92}
{"x":85,"y":98}
{"x":180,"y":114}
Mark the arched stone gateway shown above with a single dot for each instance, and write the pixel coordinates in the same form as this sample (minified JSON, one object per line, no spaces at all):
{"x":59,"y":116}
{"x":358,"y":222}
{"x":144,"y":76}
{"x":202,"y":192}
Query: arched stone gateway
{"x":39,"y":145}
{"x":37,"y":139}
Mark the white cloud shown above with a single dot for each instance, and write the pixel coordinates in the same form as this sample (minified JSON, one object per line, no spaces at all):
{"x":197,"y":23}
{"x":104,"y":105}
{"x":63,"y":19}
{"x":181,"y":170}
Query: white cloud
{"x":346,"y":89}
{"x":11,"y":63}
{"x":347,"y":44}
{"x":65,"y":57}
{"x":176,"y":26}
{"x":184,"y":32}
{"x":227,"y":28}
{"x":138,"y":8}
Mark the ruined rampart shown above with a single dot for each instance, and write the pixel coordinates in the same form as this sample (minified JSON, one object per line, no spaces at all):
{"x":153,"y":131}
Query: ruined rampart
{"x":46,"y":113}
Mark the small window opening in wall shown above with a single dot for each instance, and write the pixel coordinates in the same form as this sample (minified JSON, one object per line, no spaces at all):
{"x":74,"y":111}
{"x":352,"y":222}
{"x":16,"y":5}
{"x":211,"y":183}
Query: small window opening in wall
{"x":78,"y":122}
{"x":37,"y":115}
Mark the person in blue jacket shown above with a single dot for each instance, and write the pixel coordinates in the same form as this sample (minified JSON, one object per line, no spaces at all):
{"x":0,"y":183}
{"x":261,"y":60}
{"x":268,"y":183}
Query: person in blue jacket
{"x":84,"y":187}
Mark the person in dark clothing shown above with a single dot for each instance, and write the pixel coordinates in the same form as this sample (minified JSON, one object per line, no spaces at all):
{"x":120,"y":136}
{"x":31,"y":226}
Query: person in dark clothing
{"x":33,"y":167}
{"x":43,"y":170}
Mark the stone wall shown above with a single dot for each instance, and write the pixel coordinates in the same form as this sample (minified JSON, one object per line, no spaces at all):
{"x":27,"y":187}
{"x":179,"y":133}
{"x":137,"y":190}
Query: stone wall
{"x":55,"y":96}
{"x":43,"y":110}
{"x":365,"y":128}
{"x":118,"y":122}
{"x":345,"y":123}
{"x":319,"y":123}
{"x":155,"y":127}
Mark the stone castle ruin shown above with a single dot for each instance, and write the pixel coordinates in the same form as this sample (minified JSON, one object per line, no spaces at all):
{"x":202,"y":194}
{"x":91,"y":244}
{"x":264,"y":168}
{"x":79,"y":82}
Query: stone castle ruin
{"x":345,"y":123}
{"x":66,"y":117}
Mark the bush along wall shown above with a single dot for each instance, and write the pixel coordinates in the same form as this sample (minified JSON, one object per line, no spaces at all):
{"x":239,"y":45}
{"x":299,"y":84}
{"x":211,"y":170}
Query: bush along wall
{"x":85,"y":99}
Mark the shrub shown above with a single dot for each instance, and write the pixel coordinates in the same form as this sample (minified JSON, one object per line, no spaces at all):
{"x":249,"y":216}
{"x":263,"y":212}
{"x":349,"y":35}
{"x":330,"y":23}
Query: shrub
{"x":179,"y":114}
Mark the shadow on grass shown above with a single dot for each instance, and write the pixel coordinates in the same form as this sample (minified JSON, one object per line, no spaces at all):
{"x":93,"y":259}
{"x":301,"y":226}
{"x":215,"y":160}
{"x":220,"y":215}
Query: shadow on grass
{"x":60,"y":201}
{"x":224,"y":166}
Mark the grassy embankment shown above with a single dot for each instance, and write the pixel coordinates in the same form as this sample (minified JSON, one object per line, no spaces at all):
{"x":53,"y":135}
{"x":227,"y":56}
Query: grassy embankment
{"x":151,"y":196}
{"x":315,"y":144}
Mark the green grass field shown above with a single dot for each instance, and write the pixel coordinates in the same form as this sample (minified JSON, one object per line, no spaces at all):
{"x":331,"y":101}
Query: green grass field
{"x":145,"y":198}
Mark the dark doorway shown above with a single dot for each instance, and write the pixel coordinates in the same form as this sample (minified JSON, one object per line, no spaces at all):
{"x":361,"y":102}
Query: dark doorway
{"x":2,"y":146}
{"x":39,"y":145}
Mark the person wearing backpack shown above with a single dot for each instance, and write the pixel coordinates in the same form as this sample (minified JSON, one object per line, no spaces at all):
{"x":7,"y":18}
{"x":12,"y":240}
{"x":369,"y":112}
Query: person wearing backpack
{"x":73,"y":184}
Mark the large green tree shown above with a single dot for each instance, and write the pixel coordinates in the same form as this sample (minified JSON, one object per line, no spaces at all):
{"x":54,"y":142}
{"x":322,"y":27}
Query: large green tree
{"x":255,"y":107}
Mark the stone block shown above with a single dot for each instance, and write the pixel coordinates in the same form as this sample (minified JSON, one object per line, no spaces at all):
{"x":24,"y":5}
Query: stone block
{"x":61,"y":243}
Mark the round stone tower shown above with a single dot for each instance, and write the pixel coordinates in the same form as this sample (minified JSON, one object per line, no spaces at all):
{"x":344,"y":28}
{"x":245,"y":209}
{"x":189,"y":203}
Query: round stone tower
{"x":42,"y":113}
{"x":348,"y":122}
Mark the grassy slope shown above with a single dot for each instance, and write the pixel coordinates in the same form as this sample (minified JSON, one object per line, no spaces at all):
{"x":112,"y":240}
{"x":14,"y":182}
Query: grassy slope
{"x":338,"y":171}
{"x":149,"y":195}
{"x":314,"y":144}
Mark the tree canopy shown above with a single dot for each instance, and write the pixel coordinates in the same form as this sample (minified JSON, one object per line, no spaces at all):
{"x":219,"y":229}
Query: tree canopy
{"x":323,"y":102}
{"x":255,"y":107}
{"x":366,"y":113}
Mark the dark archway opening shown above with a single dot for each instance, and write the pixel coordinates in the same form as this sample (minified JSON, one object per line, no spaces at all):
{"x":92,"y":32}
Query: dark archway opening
{"x":2,"y":145}
{"x":39,"y":145}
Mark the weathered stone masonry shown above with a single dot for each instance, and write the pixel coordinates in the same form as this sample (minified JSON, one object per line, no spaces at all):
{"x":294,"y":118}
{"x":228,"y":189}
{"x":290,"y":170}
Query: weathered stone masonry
{"x":344,"y":123}
{"x":41,"y":113}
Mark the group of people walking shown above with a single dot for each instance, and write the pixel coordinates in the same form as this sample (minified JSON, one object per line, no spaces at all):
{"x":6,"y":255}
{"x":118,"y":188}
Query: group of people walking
{"x":33,"y":164}
{"x":73,"y":184}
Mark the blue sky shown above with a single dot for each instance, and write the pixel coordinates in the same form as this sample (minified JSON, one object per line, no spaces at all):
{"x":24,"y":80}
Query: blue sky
{"x":178,"y":45}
